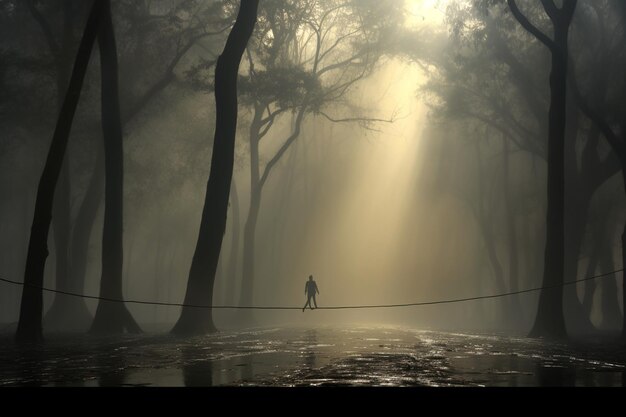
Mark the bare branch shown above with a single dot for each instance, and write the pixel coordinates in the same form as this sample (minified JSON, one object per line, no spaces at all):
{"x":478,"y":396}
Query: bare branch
{"x":336,"y":43}
{"x":363,"y":121}
{"x":347,"y":61}
{"x":168,"y":76}
{"x":272,"y":162}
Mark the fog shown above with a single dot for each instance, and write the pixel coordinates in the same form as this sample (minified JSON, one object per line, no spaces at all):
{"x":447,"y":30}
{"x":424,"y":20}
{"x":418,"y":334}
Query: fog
{"x":419,"y":173}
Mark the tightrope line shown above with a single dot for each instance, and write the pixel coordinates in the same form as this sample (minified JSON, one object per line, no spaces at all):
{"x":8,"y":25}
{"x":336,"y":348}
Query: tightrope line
{"x":353,"y":307}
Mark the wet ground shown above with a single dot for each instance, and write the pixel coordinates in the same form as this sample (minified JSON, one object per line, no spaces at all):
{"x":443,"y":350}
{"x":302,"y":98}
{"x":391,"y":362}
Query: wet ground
{"x":326,"y":356}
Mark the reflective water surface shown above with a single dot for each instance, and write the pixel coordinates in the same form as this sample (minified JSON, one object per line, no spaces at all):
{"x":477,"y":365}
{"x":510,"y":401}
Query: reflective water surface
{"x":326,"y":356}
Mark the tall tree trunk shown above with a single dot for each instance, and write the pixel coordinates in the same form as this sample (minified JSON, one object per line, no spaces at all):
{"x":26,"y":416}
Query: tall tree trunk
{"x":249,"y":231}
{"x":498,"y":273}
{"x":623,"y":161}
{"x":213,"y":223}
{"x":550,"y":321}
{"x":77,"y":315}
{"x":578,"y":192}
{"x":249,"y":235}
{"x":234,"y":245}
{"x":61,"y":222}
{"x":111,"y":317}
{"x":611,"y":316}
{"x":485,"y":224}
{"x":602,"y":255}
{"x":30,"y":323}
{"x":591,"y":285}
{"x":577,"y":321}
{"x":624,"y":276}
{"x":514,"y":302}
{"x":61,"y":229}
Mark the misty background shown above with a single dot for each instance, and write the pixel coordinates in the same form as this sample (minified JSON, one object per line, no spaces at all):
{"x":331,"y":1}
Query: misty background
{"x":422,"y":179}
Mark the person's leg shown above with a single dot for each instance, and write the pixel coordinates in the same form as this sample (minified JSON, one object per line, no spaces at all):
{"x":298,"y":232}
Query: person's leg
{"x":314,"y":301}
{"x":308,"y":302}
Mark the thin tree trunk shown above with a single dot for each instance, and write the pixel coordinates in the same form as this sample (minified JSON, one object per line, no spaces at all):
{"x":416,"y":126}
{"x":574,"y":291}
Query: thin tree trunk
{"x":30,"y":323}
{"x":249,"y":231}
{"x":257,"y":182}
{"x":112,"y":317}
{"x":78,"y":313}
{"x":61,"y":229}
{"x":622,"y":158}
{"x":611,"y":316}
{"x":623,"y":277}
{"x":213,"y":224}
{"x":515,"y":305}
{"x":485,"y":225}
{"x":234,"y":245}
{"x":596,"y":257}
{"x":249,"y":235}
{"x":590,"y":286}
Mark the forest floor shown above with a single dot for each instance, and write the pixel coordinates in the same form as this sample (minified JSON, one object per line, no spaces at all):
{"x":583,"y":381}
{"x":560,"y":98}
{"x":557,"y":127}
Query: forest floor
{"x":324,"y":356}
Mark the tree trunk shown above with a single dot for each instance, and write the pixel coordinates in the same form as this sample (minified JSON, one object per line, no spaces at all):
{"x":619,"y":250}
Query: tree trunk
{"x":578,"y":193}
{"x":61,"y":229}
{"x":213,"y":223}
{"x":624,"y":275}
{"x":77,"y":315}
{"x":550,"y":321}
{"x":577,"y":320}
{"x":234,"y":246}
{"x":61,"y":222}
{"x":611,"y":316}
{"x":514,"y":302}
{"x":111,"y":317}
{"x":249,"y":232}
{"x":590,"y":286}
{"x":30,"y":323}
{"x":601,"y":254}
{"x":623,"y":161}
{"x":249,"y":235}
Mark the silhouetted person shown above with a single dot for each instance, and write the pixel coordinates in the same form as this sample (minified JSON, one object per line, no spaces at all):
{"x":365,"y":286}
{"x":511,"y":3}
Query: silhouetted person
{"x":310,"y":289}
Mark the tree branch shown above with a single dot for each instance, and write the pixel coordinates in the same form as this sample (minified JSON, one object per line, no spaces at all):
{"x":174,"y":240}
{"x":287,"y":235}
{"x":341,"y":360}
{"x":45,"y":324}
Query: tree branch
{"x":530,"y":28}
{"x":272,"y":162}
{"x":167,"y":78}
{"x":552,"y":11}
{"x":614,"y":140}
{"x":364,"y":121}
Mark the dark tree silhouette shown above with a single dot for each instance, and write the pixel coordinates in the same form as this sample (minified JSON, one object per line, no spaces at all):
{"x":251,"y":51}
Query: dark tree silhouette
{"x":111,"y":317}
{"x":66,"y":313}
{"x":550,"y":321}
{"x":618,"y":145}
{"x":213,"y":223}
{"x":612,"y":127}
{"x":61,"y":205}
{"x":30,"y":322}
{"x":519,"y":113}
